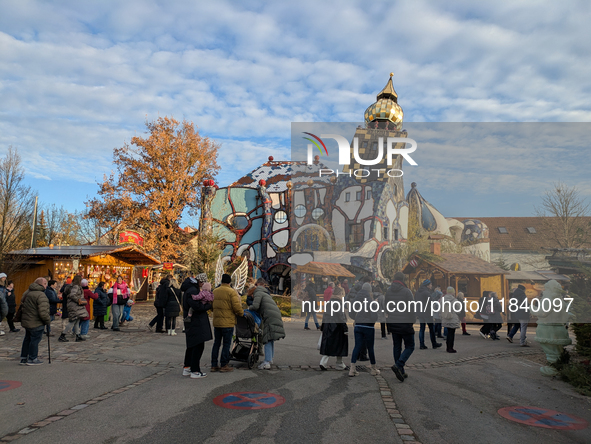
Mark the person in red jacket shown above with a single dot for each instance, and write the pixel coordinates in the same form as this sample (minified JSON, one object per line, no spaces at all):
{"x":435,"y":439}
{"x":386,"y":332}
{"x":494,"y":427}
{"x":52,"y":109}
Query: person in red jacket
{"x":88,"y":295}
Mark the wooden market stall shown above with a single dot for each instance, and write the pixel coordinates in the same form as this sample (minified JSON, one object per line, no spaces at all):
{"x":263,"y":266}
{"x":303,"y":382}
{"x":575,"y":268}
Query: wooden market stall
{"x":95,"y":262}
{"x":463,"y":272}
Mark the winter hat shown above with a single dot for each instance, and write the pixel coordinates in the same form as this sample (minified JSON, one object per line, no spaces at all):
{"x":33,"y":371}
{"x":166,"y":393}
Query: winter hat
{"x":3,"y":275}
{"x":451,"y":291}
{"x":519,"y":286}
{"x":399,"y":276}
{"x":201,"y":277}
{"x":226,"y":278}
{"x":206,"y":286}
{"x":84,"y":283}
{"x":438,"y":294}
{"x":426,"y":282}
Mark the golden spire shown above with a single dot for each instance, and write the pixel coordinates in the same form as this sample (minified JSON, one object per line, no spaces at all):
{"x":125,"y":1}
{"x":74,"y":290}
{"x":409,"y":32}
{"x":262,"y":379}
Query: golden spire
{"x":388,"y":92}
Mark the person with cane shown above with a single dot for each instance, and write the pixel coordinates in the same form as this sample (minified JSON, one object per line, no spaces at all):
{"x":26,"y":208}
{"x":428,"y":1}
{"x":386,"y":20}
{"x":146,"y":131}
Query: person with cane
{"x":35,"y":316}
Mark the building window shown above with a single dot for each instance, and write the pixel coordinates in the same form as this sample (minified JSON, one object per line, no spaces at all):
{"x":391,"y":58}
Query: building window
{"x":280,"y":217}
{"x":364,"y":144}
{"x":396,"y":235}
{"x":317,"y":213}
{"x":347,"y":197}
{"x":531,"y":230}
{"x":358,"y":195}
{"x":300,"y":211}
{"x":355,"y":235}
{"x":374,"y":150}
{"x":502,"y":230}
{"x":385,"y":231}
{"x":368,"y":194}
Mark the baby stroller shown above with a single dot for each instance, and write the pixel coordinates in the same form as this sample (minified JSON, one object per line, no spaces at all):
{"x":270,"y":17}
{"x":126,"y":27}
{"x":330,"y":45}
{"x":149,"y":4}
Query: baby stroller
{"x":246,"y":343}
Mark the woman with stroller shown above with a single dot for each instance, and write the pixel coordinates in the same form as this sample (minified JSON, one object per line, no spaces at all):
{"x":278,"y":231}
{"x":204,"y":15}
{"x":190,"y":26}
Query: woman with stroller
{"x":197,"y":328}
{"x":272,"y":324}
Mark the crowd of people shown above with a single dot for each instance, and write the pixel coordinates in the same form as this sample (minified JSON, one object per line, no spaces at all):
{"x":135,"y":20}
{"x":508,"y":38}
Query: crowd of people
{"x":39,"y":307}
{"x":442,"y":322}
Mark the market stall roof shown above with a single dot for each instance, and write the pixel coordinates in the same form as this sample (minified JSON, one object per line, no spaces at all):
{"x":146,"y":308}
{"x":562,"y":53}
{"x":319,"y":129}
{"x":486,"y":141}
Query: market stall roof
{"x":126,"y":253}
{"x":324,"y":269}
{"x":461,"y":264}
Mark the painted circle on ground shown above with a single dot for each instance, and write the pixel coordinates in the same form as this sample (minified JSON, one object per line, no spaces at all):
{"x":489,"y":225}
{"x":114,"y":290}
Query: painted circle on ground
{"x":249,"y":400}
{"x":9,"y":385}
{"x":546,"y":418}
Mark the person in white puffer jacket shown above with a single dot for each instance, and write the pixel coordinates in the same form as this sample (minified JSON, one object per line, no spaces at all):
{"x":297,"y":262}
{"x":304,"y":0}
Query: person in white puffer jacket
{"x":449,"y":317}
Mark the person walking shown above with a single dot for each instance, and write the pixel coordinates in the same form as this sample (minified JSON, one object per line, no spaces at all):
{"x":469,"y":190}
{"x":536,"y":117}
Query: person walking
{"x":400,"y":324}
{"x":160,"y":301}
{"x":120,"y":296}
{"x":364,"y":328}
{"x":449,"y":317}
{"x":424,"y":296}
{"x":11,"y":302}
{"x":76,"y":309}
{"x":378,"y":295}
{"x":172,"y":308}
{"x":328,"y":292}
{"x":521,"y":315}
{"x":437,"y":295}
{"x":226,"y":306}
{"x":53,"y":299}
{"x":100,"y":306}
{"x":310,"y":295}
{"x":63,"y":295}
{"x":197,"y":328}
{"x":34,"y":319}
{"x":3,"y":303}
{"x":483,"y":314}
{"x":272,"y":323}
{"x":88,"y":295}
{"x":495,"y":316}
{"x":335,"y":341}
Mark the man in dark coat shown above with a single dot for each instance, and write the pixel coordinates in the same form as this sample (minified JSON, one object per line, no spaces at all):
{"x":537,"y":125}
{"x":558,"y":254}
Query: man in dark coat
{"x":53,"y":299}
{"x":423,"y":298}
{"x":521,"y":314}
{"x":310,"y":295}
{"x":160,"y":303}
{"x":400,"y":323}
{"x":197,"y":330}
{"x":34,"y":319}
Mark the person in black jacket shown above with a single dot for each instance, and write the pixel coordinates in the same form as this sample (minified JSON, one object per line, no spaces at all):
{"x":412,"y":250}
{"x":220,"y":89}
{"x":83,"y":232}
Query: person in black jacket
{"x":400,"y":323}
{"x":53,"y":299}
{"x":197,"y":329}
{"x":521,"y":314}
{"x":11,"y":302}
{"x":310,"y":295}
{"x":424,"y":296}
{"x":172,"y":309}
{"x":160,"y":301}
{"x":100,"y":306}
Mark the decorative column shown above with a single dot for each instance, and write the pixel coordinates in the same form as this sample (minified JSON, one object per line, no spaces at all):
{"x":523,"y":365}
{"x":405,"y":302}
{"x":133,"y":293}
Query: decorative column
{"x":207,"y":194}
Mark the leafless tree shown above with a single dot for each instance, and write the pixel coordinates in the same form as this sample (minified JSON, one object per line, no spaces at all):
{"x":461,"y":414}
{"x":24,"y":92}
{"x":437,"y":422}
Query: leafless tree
{"x":16,"y":206}
{"x":564,"y":215}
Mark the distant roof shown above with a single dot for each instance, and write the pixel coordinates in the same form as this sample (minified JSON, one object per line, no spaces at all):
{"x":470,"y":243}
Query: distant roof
{"x":518,"y":237}
{"x":126,"y":253}
{"x":278,"y":173}
{"x":541,"y":275}
{"x":462,"y":264}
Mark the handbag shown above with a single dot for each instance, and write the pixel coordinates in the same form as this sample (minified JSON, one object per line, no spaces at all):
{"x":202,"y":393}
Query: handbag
{"x":18,"y":316}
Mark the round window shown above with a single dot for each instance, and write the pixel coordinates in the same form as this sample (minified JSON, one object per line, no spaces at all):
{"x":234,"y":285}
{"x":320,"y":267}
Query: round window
{"x":280,"y":217}
{"x":300,"y":211}
{"x":317,"y":213}
{"x":238,"y":222}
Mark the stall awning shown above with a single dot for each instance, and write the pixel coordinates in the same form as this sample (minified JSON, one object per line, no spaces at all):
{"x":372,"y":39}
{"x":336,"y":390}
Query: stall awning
{"x":125,"y":253}
{"x":324,"y":269}
{"x":461,"y":263}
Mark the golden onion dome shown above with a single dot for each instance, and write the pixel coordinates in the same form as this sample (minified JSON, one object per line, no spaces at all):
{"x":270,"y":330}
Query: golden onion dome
{"x":386,"y":107}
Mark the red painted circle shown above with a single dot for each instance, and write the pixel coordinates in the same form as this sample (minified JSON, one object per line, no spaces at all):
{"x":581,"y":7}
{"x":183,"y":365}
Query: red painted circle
{"x":9,"y":385}
{"x":249,"y":400}
{"x":538,"y":417}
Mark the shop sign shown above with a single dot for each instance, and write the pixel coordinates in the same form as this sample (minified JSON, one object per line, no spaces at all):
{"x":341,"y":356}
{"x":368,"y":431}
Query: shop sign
{"x":167,"y":266}
{"x":131,"y":237}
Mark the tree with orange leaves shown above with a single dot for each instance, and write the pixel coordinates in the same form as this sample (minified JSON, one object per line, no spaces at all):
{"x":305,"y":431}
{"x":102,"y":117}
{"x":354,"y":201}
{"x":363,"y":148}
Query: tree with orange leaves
{"x":157,"y":179}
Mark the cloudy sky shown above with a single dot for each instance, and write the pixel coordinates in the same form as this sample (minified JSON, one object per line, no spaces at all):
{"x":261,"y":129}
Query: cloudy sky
{"x":80,"y":78}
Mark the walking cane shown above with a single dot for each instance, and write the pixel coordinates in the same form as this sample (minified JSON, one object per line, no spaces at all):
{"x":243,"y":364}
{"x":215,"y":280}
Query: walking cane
{"x":48,"y":347}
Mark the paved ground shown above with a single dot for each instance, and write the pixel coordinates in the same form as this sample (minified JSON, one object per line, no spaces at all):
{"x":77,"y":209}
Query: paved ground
{"x":127,"y":387}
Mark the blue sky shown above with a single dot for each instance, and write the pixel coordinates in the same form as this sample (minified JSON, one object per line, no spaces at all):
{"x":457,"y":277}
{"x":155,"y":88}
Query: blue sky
{"x":80,"y":78}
